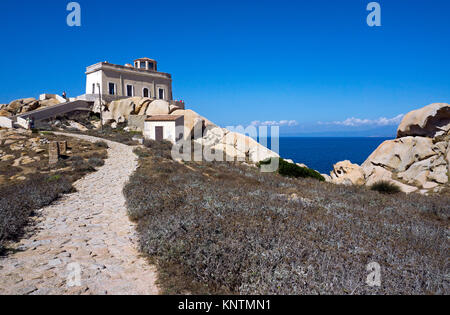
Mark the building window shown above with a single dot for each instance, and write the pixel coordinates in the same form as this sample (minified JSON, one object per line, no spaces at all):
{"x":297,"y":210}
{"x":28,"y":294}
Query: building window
{"x":112,"y":88}
{"x":161,"y":94}
{"x":130,"y":90}
{"x":145,"y":93}
{"x":143,"y":66}
{"x":151,"y":66}
{"x":93,"y":88}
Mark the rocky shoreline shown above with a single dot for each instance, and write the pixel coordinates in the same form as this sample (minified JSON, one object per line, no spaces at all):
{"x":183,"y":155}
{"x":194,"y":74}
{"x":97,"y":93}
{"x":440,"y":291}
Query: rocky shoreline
{"x":417,"y":161}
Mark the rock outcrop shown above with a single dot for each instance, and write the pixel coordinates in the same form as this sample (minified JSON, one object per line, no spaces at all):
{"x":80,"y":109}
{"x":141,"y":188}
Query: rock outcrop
{"x":430,"y":121}
{"x":347,"y":173}
{"x":234,"y":145}
{"x":193,"y":121}
{"x":417,"y":161}
{"x":25,"y":105}
{"x":196,"y":127}
{"x":119,"y":111}
{"x":158,"y":107}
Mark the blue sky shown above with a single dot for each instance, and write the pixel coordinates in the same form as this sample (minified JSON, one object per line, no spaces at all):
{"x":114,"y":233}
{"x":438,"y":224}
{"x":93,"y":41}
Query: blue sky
{"x":314,"y":65}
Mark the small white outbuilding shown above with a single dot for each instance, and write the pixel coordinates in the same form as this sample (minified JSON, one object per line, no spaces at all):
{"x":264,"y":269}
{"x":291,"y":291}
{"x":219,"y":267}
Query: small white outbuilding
{"x":164,"y":127}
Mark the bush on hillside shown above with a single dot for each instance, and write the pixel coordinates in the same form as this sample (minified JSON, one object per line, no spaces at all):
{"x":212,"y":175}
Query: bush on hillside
{"x":292,"y":170}
{"x":96,"y":161}
{"x":159,"y":148}
{"x":101,"y":144}
{"x":386,"y":187}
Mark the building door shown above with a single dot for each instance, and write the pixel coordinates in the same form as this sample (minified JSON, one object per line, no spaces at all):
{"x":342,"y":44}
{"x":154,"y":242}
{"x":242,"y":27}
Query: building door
{"x":159,"y":133}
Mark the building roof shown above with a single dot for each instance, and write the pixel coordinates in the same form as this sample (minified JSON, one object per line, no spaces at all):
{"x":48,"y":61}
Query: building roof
{"x":164,"y":118}
{"x":145,"y":59}
{"x":110,"y":66}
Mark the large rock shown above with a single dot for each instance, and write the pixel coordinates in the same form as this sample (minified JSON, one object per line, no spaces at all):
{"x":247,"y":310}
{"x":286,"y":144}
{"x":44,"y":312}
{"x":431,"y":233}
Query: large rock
{"x":430,"y":121}
{"x":25,"y":105}
{"x":236,"y":146}
{"x":376,"y":174}
{"x":248,"y":146}
{"x":173,"y":108}
{"x":418,"y":173}
{"x":22,"y":105}
{"x":347,"y":173}
{"x":448,"y":156}
{"x":192,"y":121}
{"x":213,"y":136}
{"x":158,"y":107}
{"x":120,"y":110}
{"x":231,"y":153}
{"x":400,"y":154}
{"x":49,"y":102}
{"x":258,"y":152}
{"x":416,"y":161}
{"x":4,"y":112}
{"x":142,"y":105}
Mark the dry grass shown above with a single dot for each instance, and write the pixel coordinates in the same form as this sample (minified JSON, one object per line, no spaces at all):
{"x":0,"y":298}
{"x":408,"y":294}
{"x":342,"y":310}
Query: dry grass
{"x":226,"y":228}
{"x":118,"y":134}
{"x":27,"y":187}
{"x":19,"y":201}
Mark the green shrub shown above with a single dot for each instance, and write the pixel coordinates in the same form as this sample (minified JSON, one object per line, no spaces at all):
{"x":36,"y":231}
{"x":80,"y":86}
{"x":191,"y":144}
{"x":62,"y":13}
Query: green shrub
{"x":54,"y":178}
{"x":60,"y":164}
{"x":47,"y":133}
{"x":292,"y":170}
{"x":160,"y":148}
{"x":96,"y":161}
{"x":141,"y":153}
{"x":80,"y":165}
{"x":101,"y":144}
{"x":386,"y":187}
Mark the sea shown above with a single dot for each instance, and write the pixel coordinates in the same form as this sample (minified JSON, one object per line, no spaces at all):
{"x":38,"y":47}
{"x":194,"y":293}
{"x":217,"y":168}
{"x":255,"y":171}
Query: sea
{"x":322,"y":153}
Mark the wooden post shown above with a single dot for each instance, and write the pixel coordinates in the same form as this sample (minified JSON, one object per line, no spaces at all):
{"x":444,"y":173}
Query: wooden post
{"x":53,"y":152}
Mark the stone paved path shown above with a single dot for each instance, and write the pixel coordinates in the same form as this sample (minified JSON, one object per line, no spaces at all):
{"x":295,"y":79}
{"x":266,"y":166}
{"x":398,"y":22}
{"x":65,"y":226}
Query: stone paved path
{"x":89,"y":229}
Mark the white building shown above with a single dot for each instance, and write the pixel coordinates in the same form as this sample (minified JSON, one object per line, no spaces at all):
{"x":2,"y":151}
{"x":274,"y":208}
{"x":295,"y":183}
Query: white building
{"x":116,"y":81}
{"x":164,"y":127}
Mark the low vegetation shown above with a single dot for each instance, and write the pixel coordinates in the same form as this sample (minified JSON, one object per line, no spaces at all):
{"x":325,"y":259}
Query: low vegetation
{"x":101,"y":144}
{"x":19,"y":201}
{"x":292,"y":170}
{"x":114,"y":134}
{"x":224,"y":228}
{"x":28,"y":182}
{"x":90,"y":124}
{"x":386,"y":187}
